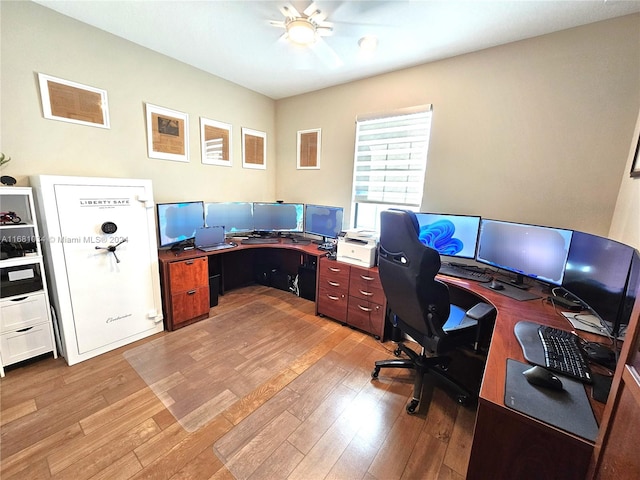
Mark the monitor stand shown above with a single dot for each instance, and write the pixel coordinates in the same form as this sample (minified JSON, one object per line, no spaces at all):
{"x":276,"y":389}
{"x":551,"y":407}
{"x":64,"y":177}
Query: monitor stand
{"x":517,"y":282}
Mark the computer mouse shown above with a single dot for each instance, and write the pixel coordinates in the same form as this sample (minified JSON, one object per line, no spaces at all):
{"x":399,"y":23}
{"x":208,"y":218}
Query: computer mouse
{"x":494,"y":285}
{"x":542,"y":377}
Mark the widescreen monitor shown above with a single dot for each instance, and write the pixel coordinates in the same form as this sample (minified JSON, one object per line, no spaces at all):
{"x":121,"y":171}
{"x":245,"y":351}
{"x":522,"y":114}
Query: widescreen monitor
{"x":178,"y":222}
{"x":235,"y":217}
{"x":278,"y":217}
{"x":629,"y":299}
{"x":527,"y":250}
{"x":597,"y":272}
{"x":323,"y":221}
{"x":450,"y":235}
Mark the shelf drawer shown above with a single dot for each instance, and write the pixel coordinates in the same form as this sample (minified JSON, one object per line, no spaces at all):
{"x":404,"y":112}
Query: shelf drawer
{"x":366,"y":316}
{"x":365,"y":284}
{"x":25,"y":343}
{"x":189,"y":305}
{"x":188,"y":274}
{"x":334,"y":275}
{"x":332,"y":303}
{"x":22,"y":312}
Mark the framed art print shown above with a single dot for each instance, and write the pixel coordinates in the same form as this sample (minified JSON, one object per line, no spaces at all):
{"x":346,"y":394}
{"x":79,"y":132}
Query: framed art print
{"x":216,"y":142}
{"x":308,"y":148}
{"x":254,"y":149}
{"x":73,"y":102}
{"x":167,"y":134}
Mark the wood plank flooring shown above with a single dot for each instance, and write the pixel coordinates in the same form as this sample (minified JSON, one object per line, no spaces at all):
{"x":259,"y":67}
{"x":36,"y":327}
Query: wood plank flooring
{"x":263,"y":389}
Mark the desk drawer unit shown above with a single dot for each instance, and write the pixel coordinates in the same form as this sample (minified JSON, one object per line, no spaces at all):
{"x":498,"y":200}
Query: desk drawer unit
{"x":189,"y":286}
{"x":333,"y":289}
{"x":366,"y":301}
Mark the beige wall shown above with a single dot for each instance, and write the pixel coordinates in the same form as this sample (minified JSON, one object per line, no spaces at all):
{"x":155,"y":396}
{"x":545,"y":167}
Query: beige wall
{"x":36,"y":39}
{"x":535,"y":131}
{"x":625,"y":226}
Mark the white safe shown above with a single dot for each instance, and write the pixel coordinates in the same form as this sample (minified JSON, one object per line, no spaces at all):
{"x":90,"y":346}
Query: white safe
{"x":100,"y":248}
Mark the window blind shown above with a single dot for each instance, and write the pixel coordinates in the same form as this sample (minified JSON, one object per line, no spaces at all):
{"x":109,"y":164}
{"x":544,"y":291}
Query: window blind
{"x":391,"y":157}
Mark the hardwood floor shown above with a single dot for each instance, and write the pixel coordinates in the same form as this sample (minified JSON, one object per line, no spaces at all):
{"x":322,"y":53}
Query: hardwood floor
{"x":264,"y":389}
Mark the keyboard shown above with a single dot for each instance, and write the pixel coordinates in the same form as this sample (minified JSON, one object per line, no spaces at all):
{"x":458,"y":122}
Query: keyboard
{"x":552,"y":348}
{"x":213,"y":248}
{"x":259,"y":241}
{"x":460,"y":272}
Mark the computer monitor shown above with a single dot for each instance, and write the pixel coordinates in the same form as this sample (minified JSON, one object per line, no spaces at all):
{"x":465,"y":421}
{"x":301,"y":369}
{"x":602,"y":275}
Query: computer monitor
{"x":527,"y":250}
{"x":235,"y":217}
{"x":451,"y":235}
{"x":629,"y":298}
{"x":322,"y":220}
{"x":597,"y":272}
{"x":278,"y":217}
{"x":178,"y":222}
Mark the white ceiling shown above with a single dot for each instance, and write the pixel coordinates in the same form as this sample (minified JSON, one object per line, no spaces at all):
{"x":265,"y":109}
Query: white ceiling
{"x":234,"y":40}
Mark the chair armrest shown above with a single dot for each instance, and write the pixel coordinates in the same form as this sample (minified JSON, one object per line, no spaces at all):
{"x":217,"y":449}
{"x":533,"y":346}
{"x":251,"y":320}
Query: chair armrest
{"x":480,"y":311}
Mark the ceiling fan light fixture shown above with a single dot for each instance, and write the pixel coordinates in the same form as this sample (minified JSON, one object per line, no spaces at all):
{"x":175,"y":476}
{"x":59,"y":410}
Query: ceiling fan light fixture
{"x":301,"y":31}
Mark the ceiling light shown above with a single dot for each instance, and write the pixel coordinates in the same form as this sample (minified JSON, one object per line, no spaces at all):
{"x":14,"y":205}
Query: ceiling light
{"x":302,"y":31}
{"x":368,"y":43}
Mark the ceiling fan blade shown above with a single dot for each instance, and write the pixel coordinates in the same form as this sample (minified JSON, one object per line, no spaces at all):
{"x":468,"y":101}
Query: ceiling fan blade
{"x":277,"y":23}
{"x":289,"y":11}
{"x":311,"y":10}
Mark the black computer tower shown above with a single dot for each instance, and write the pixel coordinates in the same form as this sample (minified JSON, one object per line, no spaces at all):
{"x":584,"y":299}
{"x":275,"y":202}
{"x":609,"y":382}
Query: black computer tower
{"x":307,"y":282}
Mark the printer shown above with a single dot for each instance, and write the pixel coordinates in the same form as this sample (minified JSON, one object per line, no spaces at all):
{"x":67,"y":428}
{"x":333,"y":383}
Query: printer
{"x":358,"y":247}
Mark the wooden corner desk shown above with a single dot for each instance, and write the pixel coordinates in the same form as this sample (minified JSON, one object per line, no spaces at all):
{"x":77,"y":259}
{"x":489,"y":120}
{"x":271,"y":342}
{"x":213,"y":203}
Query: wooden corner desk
{"x":506,"y":443}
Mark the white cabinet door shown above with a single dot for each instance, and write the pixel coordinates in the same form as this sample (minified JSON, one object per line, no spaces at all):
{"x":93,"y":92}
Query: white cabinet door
{"x":109,"y":275}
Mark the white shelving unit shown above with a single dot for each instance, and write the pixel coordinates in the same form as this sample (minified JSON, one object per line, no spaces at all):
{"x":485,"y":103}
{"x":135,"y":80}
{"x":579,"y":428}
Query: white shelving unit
{"x":26,"y":329}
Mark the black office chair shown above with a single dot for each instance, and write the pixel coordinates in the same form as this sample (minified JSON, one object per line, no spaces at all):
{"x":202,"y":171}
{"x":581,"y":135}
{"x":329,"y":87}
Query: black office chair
{"x":420,"y":305}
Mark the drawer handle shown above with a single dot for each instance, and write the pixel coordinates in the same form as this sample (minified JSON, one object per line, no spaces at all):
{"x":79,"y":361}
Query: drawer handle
{"x":365,"y":309}
{"x":364,"y":277}
{"x":19,"y":299}
{"x":334,"y":269}
{"x":331,"y":297}
{"x":24,"y":330}
{"x":191,"y":292}
{"x":366,"y":294}
{"x":333,"y":284}
{"x":189,"y":262}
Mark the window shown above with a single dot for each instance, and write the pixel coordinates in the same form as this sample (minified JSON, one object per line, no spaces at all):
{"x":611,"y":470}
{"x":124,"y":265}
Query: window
{"x":389,"y":164}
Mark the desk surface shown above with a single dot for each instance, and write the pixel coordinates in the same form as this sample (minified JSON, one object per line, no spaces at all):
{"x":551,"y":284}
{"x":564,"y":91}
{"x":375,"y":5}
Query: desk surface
{"x":309,"y":249}
{"x":504,"y":343}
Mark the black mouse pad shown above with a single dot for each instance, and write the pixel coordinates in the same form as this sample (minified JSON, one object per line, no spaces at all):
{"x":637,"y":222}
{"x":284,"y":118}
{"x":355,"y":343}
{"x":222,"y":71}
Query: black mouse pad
{"x":568,"y":409}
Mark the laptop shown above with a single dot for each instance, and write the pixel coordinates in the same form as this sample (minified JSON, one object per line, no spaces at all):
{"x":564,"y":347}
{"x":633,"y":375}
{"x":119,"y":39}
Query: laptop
{"x":209,"y":239}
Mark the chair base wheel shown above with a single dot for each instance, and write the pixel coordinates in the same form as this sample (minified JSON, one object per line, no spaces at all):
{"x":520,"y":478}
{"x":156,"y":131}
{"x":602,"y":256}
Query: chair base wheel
{"x":397,"y":352}
{"x":412,"y":406}
{"x":375,"y":372}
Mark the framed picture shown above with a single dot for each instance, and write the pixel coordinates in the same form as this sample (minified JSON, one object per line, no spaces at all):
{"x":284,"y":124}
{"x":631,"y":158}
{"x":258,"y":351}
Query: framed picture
{"x":216,"y":142}
{"x":635,"y":166}
{"x":167,"y":134}
{"x":73,"y":102}
{"x":254,"y":149}
{"x":309,"y":142}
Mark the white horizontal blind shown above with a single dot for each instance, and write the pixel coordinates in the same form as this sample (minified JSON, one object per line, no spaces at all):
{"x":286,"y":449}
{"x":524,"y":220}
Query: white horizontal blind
{"x":391,"y":158}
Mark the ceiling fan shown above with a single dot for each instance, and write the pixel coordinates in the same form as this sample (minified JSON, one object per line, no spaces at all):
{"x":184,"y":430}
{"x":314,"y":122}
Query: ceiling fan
{"x":307,"y":29}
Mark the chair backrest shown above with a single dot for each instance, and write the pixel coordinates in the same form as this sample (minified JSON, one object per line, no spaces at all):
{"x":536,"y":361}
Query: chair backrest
{"x":407,"y":271}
